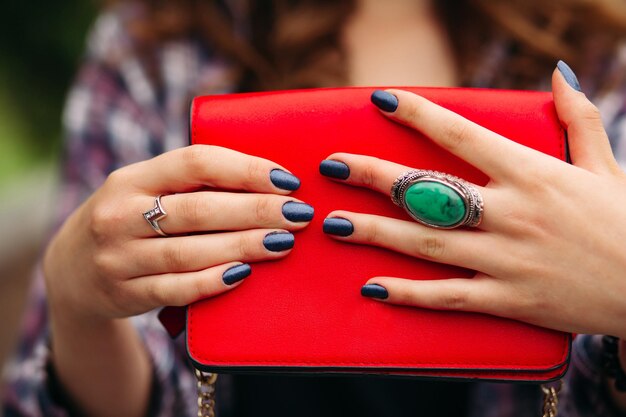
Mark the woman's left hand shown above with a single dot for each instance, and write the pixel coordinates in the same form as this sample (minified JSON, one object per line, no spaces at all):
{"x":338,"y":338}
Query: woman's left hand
{"x":551,"y":249}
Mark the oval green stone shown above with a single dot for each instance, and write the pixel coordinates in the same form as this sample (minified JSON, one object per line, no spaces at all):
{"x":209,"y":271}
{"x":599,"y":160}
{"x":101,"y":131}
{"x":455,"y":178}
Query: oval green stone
{"x":435,"y":203}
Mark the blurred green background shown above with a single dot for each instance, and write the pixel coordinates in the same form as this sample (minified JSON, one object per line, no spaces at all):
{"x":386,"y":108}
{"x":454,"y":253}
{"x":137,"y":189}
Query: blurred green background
{"x":40,"y":48}
{"x":41,"y":44}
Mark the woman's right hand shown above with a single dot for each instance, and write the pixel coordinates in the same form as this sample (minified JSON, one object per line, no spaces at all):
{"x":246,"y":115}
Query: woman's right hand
{"x":107,"y":262}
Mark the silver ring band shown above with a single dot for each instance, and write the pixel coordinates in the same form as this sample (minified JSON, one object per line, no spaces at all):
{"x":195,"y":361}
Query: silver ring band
{"x":454,"y":188}
{"x":154,"y":215}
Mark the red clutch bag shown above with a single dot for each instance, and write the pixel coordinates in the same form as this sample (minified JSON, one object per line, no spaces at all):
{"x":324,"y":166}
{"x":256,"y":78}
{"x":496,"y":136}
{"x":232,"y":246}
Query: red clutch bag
{"x":305,"y":314}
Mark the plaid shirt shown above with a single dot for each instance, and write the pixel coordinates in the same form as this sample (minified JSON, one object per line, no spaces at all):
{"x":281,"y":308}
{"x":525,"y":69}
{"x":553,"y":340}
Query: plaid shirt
{"x":115,"y":116}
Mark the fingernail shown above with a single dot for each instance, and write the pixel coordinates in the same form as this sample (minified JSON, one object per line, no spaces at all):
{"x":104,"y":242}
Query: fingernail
{"x":385,"y":101}
{"x":278,"y":241}
{"x":297,"y":212}
{"x":284,"y":180}
{"x":338,"y":226}
{"x":236,"y":273}
{"x":374,"y":291}
{"x":569,"y":75}
{"x":334,"y":169}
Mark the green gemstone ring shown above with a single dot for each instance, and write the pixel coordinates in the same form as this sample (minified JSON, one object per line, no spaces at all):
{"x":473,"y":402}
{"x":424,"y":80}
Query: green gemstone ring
{"x":437,"y":199}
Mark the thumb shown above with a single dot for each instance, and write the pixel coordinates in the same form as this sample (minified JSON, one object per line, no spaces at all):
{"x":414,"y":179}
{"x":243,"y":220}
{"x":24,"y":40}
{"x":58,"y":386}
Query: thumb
{"x":588,"y":142}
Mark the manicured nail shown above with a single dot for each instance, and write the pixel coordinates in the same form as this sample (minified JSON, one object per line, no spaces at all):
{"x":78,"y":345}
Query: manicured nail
{"x":338,"y":226}
{"x":385,"y":101}
{"x":569,"y":75}
{"x":278,"y":241}
{"x":297,"y":212}
{"x":284,"y":180}
{"x":334,"y":169}
{"x":374,"y":291}
{"x":236,"y":273}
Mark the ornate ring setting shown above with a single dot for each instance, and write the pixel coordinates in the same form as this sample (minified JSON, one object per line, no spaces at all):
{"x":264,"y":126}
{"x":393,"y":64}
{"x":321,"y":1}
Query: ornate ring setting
{"x":154,"y":215}
{"x":437,"y":199}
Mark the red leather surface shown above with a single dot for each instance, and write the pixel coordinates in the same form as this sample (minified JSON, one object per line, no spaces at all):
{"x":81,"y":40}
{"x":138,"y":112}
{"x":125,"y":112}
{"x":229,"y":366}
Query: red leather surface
{"x":173,"y":320}
{"x":306,"y":311}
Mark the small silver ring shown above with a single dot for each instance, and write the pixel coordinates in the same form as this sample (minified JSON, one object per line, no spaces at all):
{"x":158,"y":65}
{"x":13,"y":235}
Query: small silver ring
{"x":468,"y":194}
{"x":154,"y":215}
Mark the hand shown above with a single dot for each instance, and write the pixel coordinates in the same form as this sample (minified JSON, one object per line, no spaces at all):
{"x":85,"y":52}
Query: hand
{"x":107,"y":262}
{"x":550,"y":250}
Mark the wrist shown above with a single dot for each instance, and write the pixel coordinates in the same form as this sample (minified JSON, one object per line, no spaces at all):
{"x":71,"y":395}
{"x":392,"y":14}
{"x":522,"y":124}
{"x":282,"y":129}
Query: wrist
{"x":65,"y":280}
{"x":68,"y":313}
{"x":96,"y":361}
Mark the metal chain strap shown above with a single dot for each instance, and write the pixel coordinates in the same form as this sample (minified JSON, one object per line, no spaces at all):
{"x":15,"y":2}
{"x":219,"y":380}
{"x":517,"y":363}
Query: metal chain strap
{"x":551,"y":399}
{"x":206,"y":394}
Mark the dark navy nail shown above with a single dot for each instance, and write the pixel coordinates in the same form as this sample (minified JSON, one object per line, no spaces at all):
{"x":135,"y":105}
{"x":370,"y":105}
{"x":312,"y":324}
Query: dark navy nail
{"x":338,"y":226}
{"x":569,"y":75}
{"x":278,"y":241}
{"x":236,"y":273}
{"x":284,"y":180}
{"x":297,"y":212}
{"x":374,"y":291}
{"x":385,"y":101}
{"x":334,"y":169}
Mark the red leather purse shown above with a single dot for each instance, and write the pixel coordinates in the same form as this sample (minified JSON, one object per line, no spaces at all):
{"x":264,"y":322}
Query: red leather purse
{"x":305,"y":314}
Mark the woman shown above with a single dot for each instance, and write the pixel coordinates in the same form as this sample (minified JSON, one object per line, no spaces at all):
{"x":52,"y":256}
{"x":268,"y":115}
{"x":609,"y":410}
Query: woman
{"x":130,"y":103}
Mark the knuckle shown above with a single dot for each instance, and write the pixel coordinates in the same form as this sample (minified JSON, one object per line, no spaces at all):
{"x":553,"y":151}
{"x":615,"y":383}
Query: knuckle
{"x":592,"y":117}
{"x":367,"y":176}
{"x":173,"y":257}
{"x":457,"y":133}
{"x":201,"y":289}
{"x":518,"y":222}
{"x":430,"y":247}
{"x":104,"y":263}
{"x":196,"y":157}
{"x":117,"y":177}
{"x":103,"y":222}
{"x":254,"y":171}
{"x":114,"y":296}
{"x":592,"y":113}
{"x":455,"y":299}
{"x":404,"y":295}
{"x":191,"y":209}
{"x":371,"y":232}
{"x":528,"y":220}
{"x":157,"y":295}
{"x":412,"y":112}
{"x":247,"y":247}
{"x":97,"y":221}
{"x":536,"y":226}
{"x":540,"y":181}
{"x":263,"y":211}
{"x":117,"y":295}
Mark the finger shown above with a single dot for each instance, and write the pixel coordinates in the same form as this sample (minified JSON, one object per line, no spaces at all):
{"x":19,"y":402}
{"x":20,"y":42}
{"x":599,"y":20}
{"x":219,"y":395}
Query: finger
{"x":366,"y":171}
{"x":217,"y":211}
{"x":478,"y":294}
{"x":194,"y":253}
{"x":463,"y":138}
{"x":179,"y":289}
{"x":460,"y":247}
{"x":199,"y":166}
{"x":588,"y":142}
{"x":379,"y":175}
{"x":363,"y":171}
